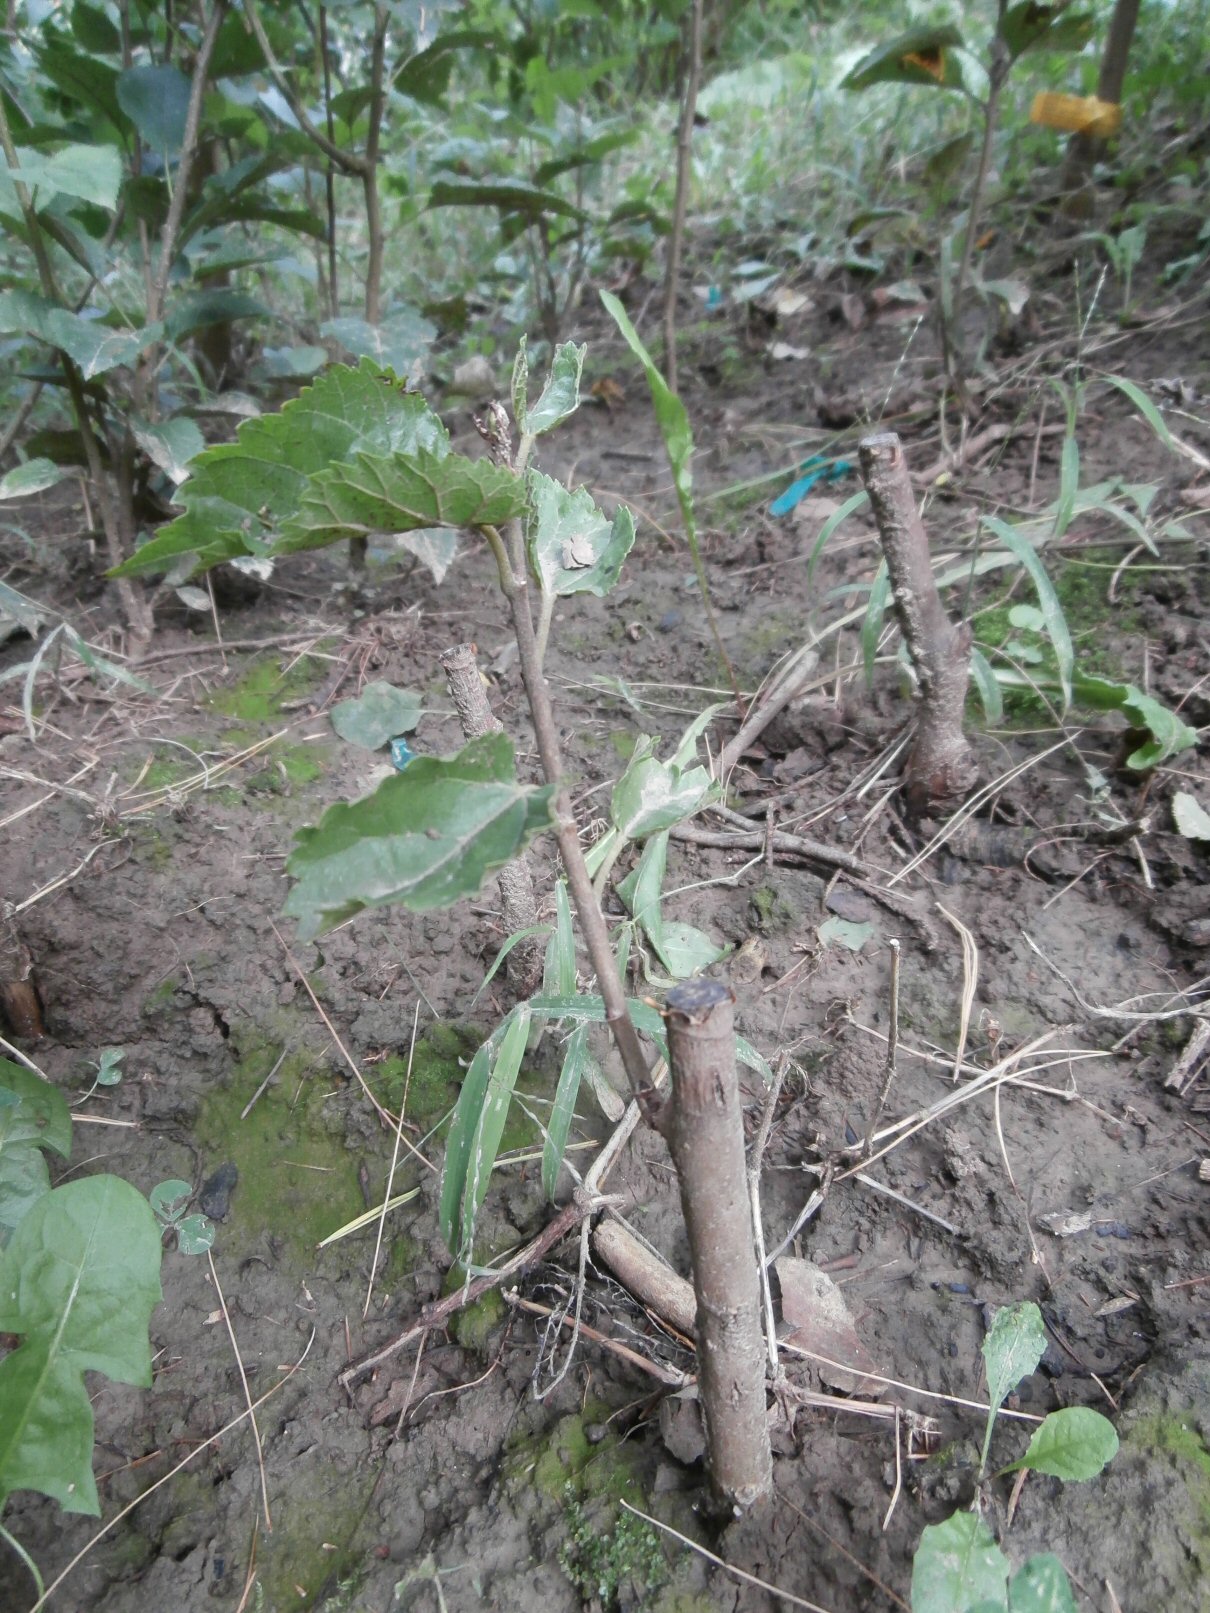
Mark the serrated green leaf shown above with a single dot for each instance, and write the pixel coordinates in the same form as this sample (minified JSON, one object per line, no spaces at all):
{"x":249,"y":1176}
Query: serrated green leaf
{"x":1041,"y":1586}
{"x":378,"y":714}
{"x":573,"y":547}
{"x":1019,"y":546}
{"x":156,"y":100}
{"x":957,"y":1566}
{"x":33,"y":1116}
{"x":1169,"y":735}
{"x":576,"y":1059}
{"x":425,"y":838}
{"x":561,"y":394}
{"x":78,"y":1281}
{"x":35,"y":476}
{"x":238,"y":494}
{"x":1075,"y":1443}
{"x":919,"y":56}
{"x":385,"y":493}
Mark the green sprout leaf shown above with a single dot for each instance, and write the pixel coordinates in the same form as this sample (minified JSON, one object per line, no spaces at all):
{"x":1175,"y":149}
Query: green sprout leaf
{"x":79,"y":1281}
{"x":577,"y":1058}
{"x":1011,"y":1351}
{"x":573,"y":547}
{"x":957,"y":1566}
{"x":561,"y":394}
{"x":379,"y":714}
{"x":1169,"y":735}
{"x":478,"y":1125}
{"x":168,"y":1199}
{"x":425,"y":838}
{"x":1074,"y":1443}
{"x":652,"y":795}
{"x":33,"y":1116}
{"x":1023,"y":550}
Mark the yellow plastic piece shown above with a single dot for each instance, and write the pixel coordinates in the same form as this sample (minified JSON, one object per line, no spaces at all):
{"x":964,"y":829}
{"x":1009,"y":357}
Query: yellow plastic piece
{"x":1078,"y":114}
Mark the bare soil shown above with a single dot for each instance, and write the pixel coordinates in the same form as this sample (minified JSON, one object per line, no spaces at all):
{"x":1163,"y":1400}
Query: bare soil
{"x":158,"y":931}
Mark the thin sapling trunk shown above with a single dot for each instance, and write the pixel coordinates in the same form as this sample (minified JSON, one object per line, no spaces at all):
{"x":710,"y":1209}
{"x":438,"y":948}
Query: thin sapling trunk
{"x":940,"y":769}
{"x":684,"y":175}
{"x":703,"y":1124}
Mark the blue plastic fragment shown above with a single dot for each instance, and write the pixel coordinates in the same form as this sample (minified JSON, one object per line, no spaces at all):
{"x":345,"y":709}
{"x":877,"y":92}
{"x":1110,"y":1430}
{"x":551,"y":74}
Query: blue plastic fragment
{"x":818,"y":470}
{"x":401,"y":754}
{"x":714,"y":298}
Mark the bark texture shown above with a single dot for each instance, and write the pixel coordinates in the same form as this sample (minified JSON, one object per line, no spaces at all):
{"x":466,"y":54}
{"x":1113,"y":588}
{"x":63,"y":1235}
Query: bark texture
{"x":514,"y":880}
{"x":704,"y":1127}
{"x":940,"y":769}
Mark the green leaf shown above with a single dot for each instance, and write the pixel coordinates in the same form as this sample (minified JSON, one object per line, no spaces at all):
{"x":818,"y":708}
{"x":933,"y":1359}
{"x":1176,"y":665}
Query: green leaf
{"x":1075,"y":1443}
{"x":1041,"y":1586}
{"x":1144,"y":405}
{"x":156,"y":100}
{"x":168,"y":1199}
{"x":425,"y":838}
{"x":988,"y":686}
{"x":1169,"y":735}
{"x":573,"y":547}
{"x":197,"y":310}
{"x":95,"y":347}
{"x":35,"y":476}
{"x":1012,"y":1349}
{"x":561,"y":394}
{"x":519,"y":385}
{"x":482,"y":1115}
{"x":239,"y":493}
{"x":588,"y":1009}
{"x":435,"y":547}
{"x":401,"y":341}
{"x":33,"y":1116}
{"x":670,"y":412}
{"x":559,"y":965}
{"x":380,"y":713}
{"x":652,"y":795}
{"x":919,"y":56}
{"x":1019,"y":546}
{"x":194,"y":1235}
{"x":1190,"y":817}
{"x":89,"y":173}
{"x":170,"y":444}
{"x":94,"y":30}
{"x":1029,"y":26}
{"x":508,"y":197}
{"x":957,"y":1566}
{"x":853,"y":503}
{"x":682,"y":949}
{"x":79,"y":1281}
{"x":875,"y":618}
{"x":396,"y":493}
{"x":852,"y":934}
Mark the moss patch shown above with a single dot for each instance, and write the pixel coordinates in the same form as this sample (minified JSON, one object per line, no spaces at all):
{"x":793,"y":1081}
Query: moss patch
{"x":581,"y":1456}
{"x":438,"y":1067}
{"x":259,"y":695}
{"x":1179,"y":1438}
{"x":297,"y":1180}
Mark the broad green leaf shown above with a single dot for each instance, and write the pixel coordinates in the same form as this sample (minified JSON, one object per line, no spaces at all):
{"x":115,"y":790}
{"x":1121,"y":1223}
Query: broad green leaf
{"x":1190,"y":817}
{"x":435,"y":547}
{"x":82,"y":78}
{"x":508,"y":197}
{"x":573,"y":547}
{"x":198,"y":309}
{"x":94,"y":30}
{"x":1012,"y":1349}
{"x":1019,"y":546}
{"x":89,"y":173}
{"x":425,"y":838}
{"x":396,"y":493}
{"x":486,"y":1116}
{"x":1029,"y":26}
{"x":95,"y":347}
{"x":852,"y":934}
{"x":576,"y":1060}
{"x":685,"y":950}
{"x":378,"y":714}
{"x":1075,"y":1443}
{"x":35,"y":476}
{"x":33,"y":1116}
{"x":239,"y":493}
{"x":156,"y":100}
{"x":1169,"y":735}
{"x":170,"y":444}
{"x":957,"y":1566}
{"x":561,"y":394}
{"x":1041,"y":1586}
{"x":426,"y":75}
{"x":919,"y":56}
{"x":652,"y":795}
{"x":195,"y":1234}
{"x":401,"y":341}
{"x":78,"y":1281}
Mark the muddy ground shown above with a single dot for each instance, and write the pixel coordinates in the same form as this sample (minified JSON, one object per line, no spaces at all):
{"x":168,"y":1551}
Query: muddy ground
{"x":161,"y":935}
